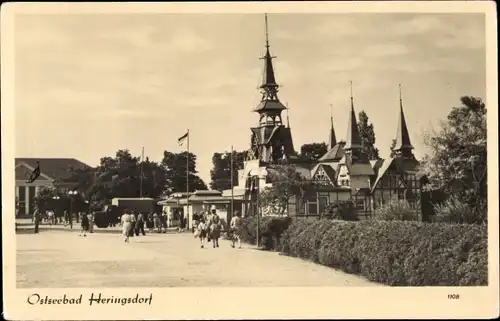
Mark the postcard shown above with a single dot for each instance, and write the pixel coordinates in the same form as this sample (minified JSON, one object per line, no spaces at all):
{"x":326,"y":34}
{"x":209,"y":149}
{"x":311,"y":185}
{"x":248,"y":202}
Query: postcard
{"x":249,"y":160}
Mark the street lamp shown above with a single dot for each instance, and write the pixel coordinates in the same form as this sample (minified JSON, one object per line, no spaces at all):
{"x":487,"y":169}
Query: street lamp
{"x":258,"y":175}
{"x":56,"y":199}
{"x":71,"y":194}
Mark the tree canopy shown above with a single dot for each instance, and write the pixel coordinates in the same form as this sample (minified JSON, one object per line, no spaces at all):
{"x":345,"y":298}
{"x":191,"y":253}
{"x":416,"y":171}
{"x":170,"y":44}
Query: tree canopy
{"x":220,"y":174}
{"x":287,"y":182}
{"x":120,"y":176}
{"x":313,"y":151}
{"x":458,"y":152}
{"x":367,"y":135}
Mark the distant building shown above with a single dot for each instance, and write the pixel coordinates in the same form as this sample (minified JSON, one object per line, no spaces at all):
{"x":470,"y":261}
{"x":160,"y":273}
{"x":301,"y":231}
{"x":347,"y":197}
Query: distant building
{"x":344,"y":172}
{"x":52,"y":171}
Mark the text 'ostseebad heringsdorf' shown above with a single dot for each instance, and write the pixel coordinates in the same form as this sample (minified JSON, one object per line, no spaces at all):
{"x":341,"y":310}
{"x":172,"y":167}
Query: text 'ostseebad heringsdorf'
{"x":94,"y":299}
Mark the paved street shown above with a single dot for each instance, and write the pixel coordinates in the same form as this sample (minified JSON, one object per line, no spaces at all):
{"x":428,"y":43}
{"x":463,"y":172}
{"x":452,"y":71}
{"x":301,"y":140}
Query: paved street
{"x":58,"y":257}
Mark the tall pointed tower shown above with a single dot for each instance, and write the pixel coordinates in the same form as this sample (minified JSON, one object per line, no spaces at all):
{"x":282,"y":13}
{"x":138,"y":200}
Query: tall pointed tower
{"x":355,"y":169}
{"x":271,"y":140}
{"x":403,"y":148}
{"x":332,"y":139}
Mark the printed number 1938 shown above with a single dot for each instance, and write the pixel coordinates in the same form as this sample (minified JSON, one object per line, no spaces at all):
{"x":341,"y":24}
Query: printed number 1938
{"x":453,"y":296}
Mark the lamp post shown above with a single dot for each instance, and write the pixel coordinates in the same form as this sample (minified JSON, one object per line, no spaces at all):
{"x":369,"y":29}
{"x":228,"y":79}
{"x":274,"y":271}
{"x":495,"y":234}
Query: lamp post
{"x":56,"y":200}
{"x":257,"y":175}
{"x":71,"y":194}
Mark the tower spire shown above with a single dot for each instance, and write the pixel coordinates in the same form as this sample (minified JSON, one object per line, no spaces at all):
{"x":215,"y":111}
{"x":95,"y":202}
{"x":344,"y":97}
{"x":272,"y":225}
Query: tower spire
{"x":353,"y":138}
{"x":267,"y":33}
{"x":269,"y":87}
{"x":332,"y":139}
{"x":403,"y":143}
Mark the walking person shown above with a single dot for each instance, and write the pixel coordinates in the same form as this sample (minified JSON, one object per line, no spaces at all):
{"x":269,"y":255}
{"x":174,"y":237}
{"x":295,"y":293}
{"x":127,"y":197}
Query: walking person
{"x":139,"y":225}
{"x":157,"y":222}
{"x":126,"y":222}
{"x":132,"y":224}
{"x":150,"y":222}
{"x":201,"y":232}
{"x":235,"y":229}
{"x":36,"y":220}
{"x":85,"y":225}
{"x":196,"y":221}
{"x":215,"y":228}
{"x":66,"y":218}
{"x":91,"y":217}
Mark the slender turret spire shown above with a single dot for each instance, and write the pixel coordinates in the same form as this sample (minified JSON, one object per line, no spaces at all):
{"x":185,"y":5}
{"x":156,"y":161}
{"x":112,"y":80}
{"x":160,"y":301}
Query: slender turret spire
{"x":269,"y":87}
{"x":353,"y":138}
{"x":403,"y":143}
{"x":332,"y":139}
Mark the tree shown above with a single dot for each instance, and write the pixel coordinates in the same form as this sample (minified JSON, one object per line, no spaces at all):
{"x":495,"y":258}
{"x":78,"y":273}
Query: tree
{"x":175,"y":166}
{"x":393,"y":145}
{"x":287,"y":182}
{"x":313,"y":151}
{"x":120,"y":177}
{"x":220,"y":174}
{"x":367,"y":135}
{"x":457,"y":161}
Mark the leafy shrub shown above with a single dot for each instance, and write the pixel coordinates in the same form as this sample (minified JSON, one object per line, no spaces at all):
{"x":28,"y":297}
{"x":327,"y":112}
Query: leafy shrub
{"x":396,"y":211}
{"x":271,"y":229}
{"x":394,"y":252}
{"x":453,"y":210}
{"x":341,"y":210}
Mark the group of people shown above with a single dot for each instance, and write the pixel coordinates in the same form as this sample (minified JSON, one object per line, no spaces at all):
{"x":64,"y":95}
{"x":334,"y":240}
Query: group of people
{"x":133,"y":224}
{"x":207,"y":227}
{"x":86,"y":220}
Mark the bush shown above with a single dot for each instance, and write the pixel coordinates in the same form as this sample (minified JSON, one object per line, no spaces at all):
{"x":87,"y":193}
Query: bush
{"x":341,"y":210}
{"x":396,"y":211}
{"x":271,"y":229}
{"x":394,"y":252}
{"x":453,"y":210}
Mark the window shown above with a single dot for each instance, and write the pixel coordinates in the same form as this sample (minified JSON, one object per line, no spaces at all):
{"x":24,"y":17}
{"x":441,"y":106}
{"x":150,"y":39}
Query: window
{"x":312,"y":208}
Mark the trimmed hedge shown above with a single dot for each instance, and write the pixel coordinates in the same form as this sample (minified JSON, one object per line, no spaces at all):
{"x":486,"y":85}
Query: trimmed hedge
{"x":271,"y":229}
{"x":394,"y":252}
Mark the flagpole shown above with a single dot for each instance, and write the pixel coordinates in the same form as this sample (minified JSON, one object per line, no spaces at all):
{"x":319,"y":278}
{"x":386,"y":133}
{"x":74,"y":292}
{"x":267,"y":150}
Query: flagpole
{"x":187,"y":181}
{"x":232,"y":184}
{"x":142,"y":161}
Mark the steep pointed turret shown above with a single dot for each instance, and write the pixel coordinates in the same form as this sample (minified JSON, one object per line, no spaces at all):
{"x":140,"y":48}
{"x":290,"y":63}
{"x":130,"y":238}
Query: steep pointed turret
{"x":403,"y":144}
{"x":271,"y":140}
{"x":332,"y":139}
{"x":269,"y":88}
{"x":353,"y":139}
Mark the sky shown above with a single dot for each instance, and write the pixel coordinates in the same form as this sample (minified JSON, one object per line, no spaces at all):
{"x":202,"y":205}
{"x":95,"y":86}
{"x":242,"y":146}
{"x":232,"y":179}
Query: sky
{"x":89,"y":85}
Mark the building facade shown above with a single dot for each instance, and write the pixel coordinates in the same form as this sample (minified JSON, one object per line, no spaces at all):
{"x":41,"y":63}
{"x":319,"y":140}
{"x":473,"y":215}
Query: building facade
{"x":53,"y":172}
{"x":344,"y":172}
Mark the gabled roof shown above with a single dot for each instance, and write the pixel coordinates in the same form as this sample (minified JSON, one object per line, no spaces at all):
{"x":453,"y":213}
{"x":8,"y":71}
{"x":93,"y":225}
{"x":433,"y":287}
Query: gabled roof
{"x":329,"y":171}
{"x":59,"y":169}
{"x":402,"y":165}
{"x":382,"y":170}
{"x":334,"y":153}
{"x":24,"y":171}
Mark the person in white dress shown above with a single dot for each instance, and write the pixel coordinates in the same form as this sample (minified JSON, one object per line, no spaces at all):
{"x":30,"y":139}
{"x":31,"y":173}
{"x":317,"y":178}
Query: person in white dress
{"x":126,"y":222}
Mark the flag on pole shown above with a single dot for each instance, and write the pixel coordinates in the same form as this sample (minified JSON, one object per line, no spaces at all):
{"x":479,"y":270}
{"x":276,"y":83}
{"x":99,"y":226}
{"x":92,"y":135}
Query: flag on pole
{"x":181,"y":139}
{"x":35,"y":174}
